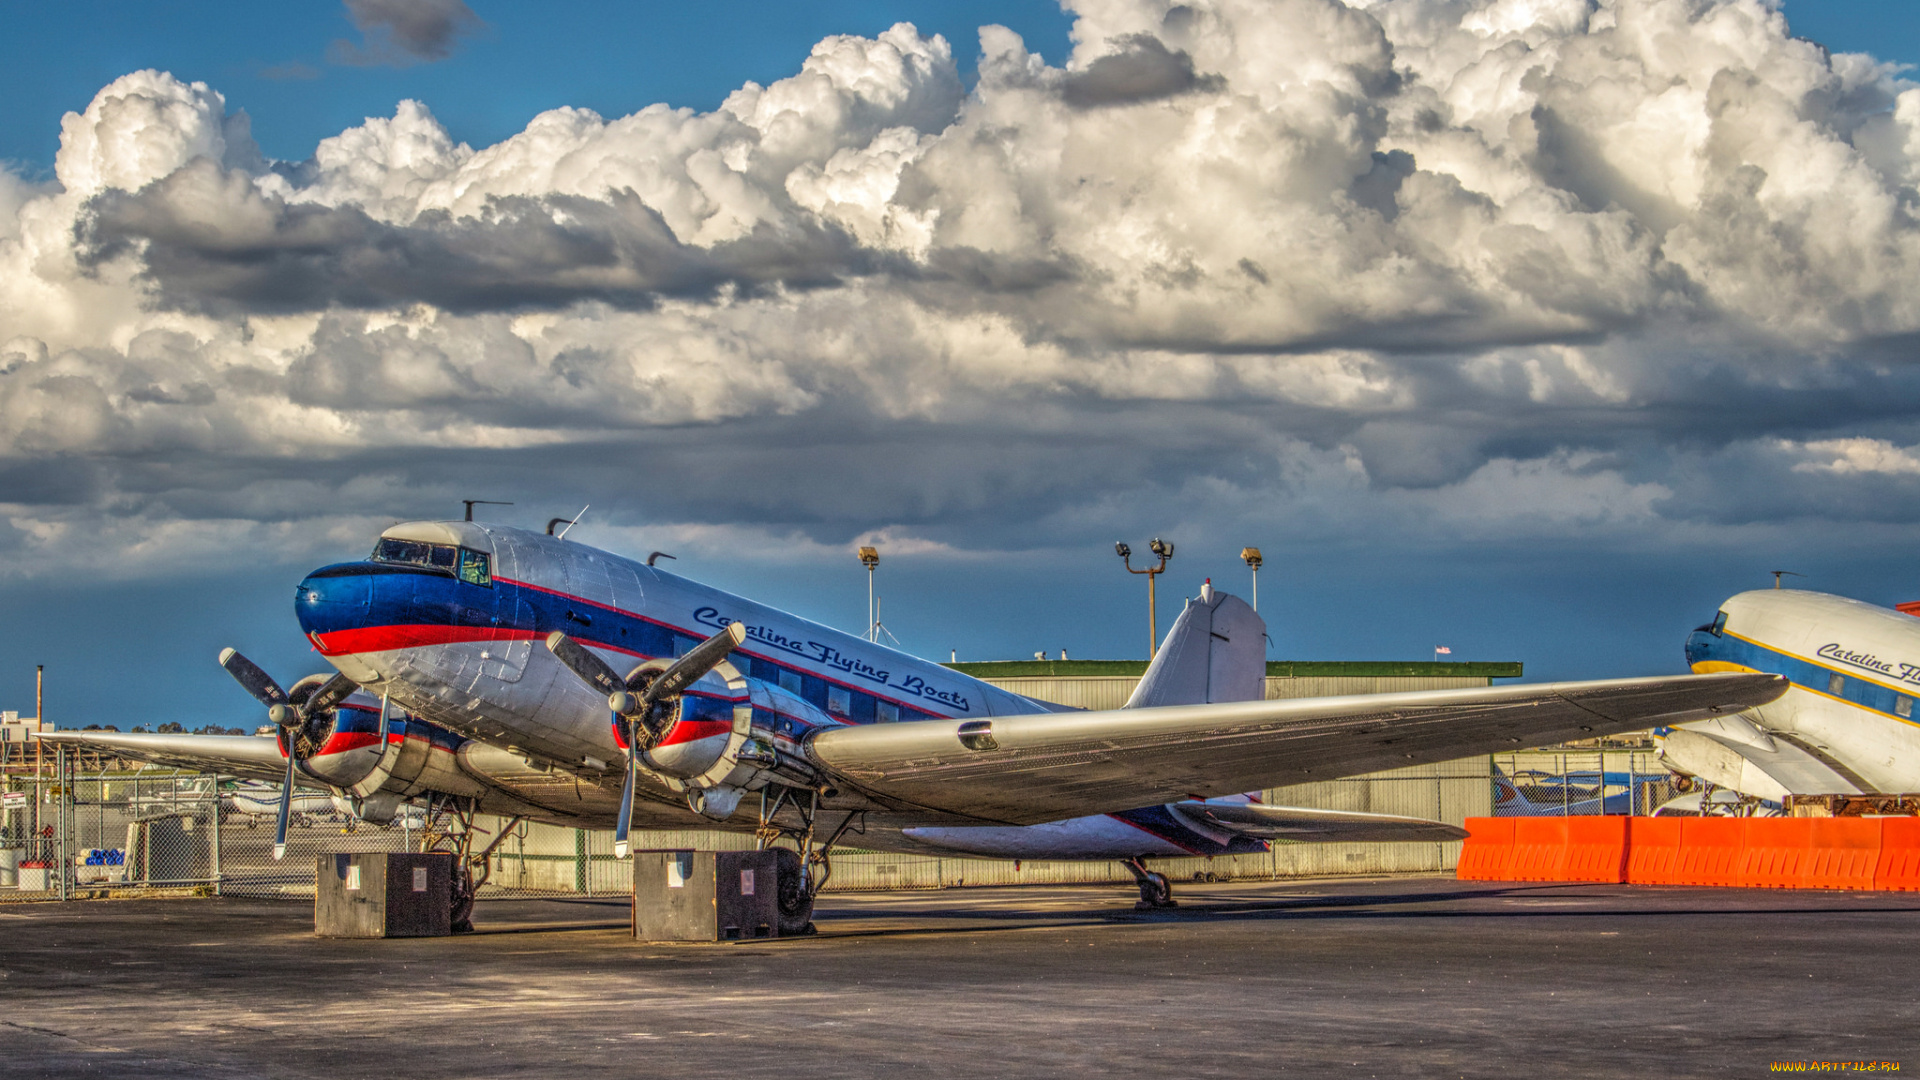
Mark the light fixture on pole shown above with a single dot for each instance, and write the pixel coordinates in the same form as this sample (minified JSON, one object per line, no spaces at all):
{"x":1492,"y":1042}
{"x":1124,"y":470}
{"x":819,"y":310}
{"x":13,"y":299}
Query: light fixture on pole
{"x":870,"y":558}
{"x":1165,"y":551}
{"x":1252,"y":556}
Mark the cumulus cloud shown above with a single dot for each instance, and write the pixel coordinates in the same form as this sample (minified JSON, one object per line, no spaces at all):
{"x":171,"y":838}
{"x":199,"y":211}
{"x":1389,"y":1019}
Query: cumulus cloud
{"x":1576,"y":265}
{"x":400,"y":32}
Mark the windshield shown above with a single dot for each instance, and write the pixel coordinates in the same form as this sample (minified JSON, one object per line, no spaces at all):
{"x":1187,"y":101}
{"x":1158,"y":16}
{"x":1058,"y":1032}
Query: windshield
{"x":470,"y":566}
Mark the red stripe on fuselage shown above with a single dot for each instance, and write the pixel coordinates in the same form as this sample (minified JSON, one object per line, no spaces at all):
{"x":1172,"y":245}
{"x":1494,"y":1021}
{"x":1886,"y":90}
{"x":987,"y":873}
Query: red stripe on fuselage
{"x":363,"y":639}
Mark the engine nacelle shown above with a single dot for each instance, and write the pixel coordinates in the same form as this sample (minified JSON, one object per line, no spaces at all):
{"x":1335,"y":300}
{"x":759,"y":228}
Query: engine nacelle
{"x":373,"y":768}
{"x":722,"y":737}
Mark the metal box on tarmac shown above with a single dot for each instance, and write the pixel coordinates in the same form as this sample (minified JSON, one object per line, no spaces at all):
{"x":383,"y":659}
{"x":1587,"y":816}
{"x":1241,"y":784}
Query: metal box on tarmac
{"x":705,"y":895}
{"x":383,"y":894}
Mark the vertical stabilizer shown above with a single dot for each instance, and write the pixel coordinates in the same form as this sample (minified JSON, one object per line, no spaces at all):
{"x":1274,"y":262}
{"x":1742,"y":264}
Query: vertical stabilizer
{"x":1216,"y":651}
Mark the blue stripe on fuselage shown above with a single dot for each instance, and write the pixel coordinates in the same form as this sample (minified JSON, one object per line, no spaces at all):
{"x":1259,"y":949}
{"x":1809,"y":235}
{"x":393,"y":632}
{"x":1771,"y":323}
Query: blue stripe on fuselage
{"x":1856,"y":689}
{"x":385,"y":595}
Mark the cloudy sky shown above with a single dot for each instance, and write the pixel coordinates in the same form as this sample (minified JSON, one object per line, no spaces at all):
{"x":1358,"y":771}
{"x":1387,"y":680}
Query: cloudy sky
{"x":1533,"y":328}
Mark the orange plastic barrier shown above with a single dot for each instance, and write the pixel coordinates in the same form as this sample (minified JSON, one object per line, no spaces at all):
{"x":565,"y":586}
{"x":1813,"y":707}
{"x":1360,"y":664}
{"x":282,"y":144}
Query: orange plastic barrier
{"x":1596,"y":850}
{"x":1898,"y":867}
{"x":1710,"y":851}
{"x":1487,"y":852}
{"x":1844,"y":853}
{"x":1768,"y":853}
{"x":1774,"y":853}
{"x":1653,"y":849}
{"x":1539,"y":849}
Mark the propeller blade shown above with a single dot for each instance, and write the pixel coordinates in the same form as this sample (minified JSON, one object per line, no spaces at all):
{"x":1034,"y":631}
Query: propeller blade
{"x":331,"y":693}
{"x":699,"y":660}
{"x":286,"y":804}
{"x":582,"y":662}
{"x":620,"y":825}
{"x":249,"y":676}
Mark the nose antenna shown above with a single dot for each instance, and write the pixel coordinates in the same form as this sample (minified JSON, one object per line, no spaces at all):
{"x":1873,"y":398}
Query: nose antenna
{"x":1777,"y":574}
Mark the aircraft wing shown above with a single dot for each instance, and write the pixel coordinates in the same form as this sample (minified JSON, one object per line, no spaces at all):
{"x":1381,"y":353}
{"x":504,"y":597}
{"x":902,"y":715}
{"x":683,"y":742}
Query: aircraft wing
{"x":1033,"y":768}
{"x":254,"y":757}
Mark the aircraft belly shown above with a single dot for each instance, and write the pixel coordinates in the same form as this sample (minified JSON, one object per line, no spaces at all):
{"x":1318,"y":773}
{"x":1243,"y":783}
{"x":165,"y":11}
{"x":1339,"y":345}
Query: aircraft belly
{"x":1097,"y":837}
{"x":1746,"y":767}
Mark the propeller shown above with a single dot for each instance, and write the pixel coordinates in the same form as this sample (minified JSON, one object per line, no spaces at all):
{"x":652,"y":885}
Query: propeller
{"x":633,"y":699}
{"x":287,"y":715}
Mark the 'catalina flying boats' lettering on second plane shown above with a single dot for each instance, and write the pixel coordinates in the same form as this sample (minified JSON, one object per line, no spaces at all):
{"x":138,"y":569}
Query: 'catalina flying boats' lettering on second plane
{"x":545,"y":678}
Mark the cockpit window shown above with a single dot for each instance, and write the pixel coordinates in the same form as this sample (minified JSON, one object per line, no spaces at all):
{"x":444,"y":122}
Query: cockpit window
{"x":1719,"y":623}
{"x":472,"y":567}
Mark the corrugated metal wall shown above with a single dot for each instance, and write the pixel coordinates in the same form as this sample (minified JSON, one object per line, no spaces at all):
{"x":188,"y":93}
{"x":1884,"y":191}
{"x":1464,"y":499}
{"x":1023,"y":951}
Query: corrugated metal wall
{"x":546,"y":858}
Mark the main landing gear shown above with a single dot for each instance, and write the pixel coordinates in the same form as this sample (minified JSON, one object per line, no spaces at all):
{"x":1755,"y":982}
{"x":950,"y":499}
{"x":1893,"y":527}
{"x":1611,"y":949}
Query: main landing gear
{"x":1156,"y":894}
{"x":470,"y":871}
{"x":802,"y":870}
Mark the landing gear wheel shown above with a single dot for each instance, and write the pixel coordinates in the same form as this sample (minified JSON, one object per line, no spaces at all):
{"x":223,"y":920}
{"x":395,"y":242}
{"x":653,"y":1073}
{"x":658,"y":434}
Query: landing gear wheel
{"x":795,"y":902}
{"x":1156,"y":893}
{"x":463,"y":892}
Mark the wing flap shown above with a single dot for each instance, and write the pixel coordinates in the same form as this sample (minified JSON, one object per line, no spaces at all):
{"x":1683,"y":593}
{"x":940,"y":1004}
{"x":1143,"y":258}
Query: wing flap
{"x":1023,"y":770}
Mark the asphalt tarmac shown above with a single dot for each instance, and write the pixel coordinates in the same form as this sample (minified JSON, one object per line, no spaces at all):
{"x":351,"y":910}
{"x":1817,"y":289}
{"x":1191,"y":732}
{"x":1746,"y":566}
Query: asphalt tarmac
{"x":1390,"y":978}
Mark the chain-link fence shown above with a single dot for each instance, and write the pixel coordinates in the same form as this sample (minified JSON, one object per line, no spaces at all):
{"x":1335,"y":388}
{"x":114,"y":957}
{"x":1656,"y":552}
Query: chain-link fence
{"x":1558,"y":783}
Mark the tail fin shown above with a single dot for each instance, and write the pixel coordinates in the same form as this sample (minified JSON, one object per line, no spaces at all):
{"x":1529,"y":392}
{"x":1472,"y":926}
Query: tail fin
{"x":1216,"y":651}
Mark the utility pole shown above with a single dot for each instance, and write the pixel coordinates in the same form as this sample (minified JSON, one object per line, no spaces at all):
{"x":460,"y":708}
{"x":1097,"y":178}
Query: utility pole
{"x":1165,"y":551}
{"x":1252,"y":556}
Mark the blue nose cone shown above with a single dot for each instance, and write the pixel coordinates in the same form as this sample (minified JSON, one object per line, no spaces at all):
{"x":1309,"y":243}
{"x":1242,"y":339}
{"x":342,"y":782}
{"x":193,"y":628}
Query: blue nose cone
{"x":1699,"y":647}
{"x":334,"y":598}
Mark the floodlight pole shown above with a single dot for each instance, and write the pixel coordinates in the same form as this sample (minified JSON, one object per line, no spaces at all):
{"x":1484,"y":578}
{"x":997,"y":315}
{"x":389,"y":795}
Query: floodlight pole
{"x":1252,"y":556}
{"x":1165,"y":551}
{"x":870,"y":558}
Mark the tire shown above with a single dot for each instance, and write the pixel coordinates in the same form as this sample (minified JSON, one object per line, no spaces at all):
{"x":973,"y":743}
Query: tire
{"x":795,"y":906}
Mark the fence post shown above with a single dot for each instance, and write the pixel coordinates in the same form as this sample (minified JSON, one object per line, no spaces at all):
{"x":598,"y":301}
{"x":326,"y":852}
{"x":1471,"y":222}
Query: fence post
{"x":214,"y":814}
{"x":63,"y":818}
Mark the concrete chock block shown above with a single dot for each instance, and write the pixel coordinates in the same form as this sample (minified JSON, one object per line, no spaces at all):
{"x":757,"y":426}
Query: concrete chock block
{"x":383,"y":894}
{"x":705,"y":895}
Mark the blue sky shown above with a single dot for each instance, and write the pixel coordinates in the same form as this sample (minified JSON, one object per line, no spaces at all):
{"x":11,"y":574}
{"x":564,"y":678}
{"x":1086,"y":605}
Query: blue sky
{"x":1550,"y":404}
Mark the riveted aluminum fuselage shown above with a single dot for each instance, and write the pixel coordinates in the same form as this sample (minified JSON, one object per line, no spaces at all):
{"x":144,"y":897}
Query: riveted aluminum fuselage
{"x":470,"y":656}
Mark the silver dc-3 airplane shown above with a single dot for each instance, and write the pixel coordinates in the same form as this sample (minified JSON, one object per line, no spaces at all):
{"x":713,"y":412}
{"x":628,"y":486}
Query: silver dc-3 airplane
{"x":534,"y":677}
{"x":1846,"y":728}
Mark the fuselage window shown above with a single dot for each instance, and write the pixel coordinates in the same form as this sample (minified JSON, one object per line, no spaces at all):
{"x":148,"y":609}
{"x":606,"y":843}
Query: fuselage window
{"x":475,"y":568}
{"x":1836,"y":685}
{"x":839,"y":701}
{"x":790,"y":681}
{"x":1903,"y":706}
{"x":886,"y":712}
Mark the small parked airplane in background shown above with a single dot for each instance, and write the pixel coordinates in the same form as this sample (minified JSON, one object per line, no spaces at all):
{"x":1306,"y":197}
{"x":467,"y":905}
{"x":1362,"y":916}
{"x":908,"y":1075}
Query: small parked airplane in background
{"x":510,"y":672}
{"x":1846,"y":727}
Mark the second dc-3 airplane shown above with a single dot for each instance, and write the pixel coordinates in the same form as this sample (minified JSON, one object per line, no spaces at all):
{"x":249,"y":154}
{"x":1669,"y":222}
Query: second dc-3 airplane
{"x":544,"y":678}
